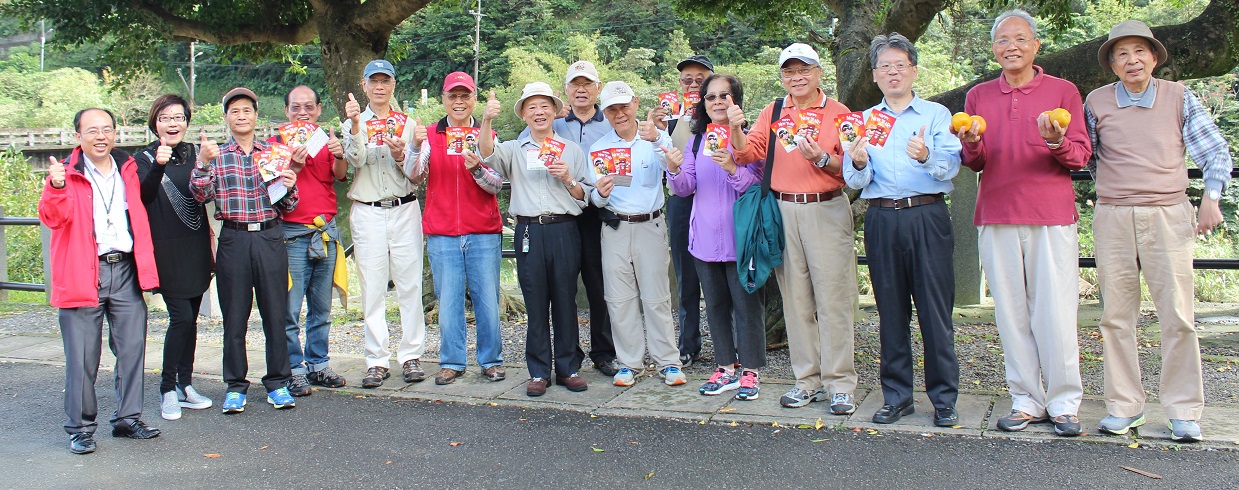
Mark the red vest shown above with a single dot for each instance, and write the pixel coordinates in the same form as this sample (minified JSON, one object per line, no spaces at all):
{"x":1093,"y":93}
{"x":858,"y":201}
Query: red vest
{"x":455,"y":204}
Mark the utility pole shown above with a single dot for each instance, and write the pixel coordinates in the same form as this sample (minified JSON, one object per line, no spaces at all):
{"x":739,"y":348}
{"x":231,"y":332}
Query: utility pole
{"x":477,"y":37}
{"x":43,"y":42}
{"x":193,"y":75}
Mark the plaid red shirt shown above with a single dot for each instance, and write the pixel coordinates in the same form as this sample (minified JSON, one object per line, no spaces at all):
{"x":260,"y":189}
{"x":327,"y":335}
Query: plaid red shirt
{"x":235,"y":185}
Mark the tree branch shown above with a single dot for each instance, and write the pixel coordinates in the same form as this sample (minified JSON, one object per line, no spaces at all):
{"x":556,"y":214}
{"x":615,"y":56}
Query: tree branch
{"x":385,"y":15}
{"x":191,"y":29}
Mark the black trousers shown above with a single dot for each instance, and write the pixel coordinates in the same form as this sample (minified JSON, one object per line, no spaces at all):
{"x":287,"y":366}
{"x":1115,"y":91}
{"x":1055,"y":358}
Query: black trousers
{"x":737,"y":324}
{"x":688,"y":291}
{"x":601,"y":343}
{"x":910,"y":260}
{"x":547,"y":275}
{"x":249,"y":266}
{"x":179,"y":343}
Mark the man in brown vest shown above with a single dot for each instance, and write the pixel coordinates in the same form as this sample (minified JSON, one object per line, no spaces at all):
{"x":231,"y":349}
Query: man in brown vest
{"x":1143,"y":222}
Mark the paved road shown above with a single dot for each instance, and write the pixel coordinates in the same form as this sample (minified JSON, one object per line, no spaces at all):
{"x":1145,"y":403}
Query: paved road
{"x":336,"y":440}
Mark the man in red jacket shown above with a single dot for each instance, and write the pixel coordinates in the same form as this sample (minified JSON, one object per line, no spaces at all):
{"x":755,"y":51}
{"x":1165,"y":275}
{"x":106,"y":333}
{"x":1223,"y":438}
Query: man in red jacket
{"x":102,"y":260}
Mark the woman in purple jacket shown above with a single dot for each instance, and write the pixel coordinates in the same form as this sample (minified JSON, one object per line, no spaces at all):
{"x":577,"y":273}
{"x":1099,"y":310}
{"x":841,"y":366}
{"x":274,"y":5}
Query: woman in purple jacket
{"x":737,"y":327}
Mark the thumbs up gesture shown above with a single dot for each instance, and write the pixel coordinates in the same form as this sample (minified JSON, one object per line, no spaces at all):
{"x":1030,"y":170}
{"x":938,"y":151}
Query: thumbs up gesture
{"x":735,"y":116}
{"x":207,"y":151}
{"x":419,"y":133}
{"x":492,"y":107}
{"x":647,"y":131}
{"x":56,"y":171}
{"x":352,"y":111}
{"x":163,"y":153}
{"x":916,"y":146}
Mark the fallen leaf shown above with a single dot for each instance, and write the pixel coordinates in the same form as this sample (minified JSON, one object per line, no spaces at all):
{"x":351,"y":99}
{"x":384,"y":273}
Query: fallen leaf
{"x":598,"y":449}
{"x":493,"y":404}
{"x":856,"y":429}
{"x":212,"y":455}
{"x":359,"y":396}
{"x":926,"y":434}
{"x":817,"y":440}
{"x":633,"y":442}
{"x":593,"y":416}
{"x":1134,"y":445}
{"x":727,"y":409}
{"x":732,"y":424}
{"x":957,"y":426}
{"x":264,"y":448}
{"x":1154,"y":476}
{"x":871,"y":432}
{"x":389,"y":462}
{"x":520,"y":420}
{"x":703,"y":422}
{"x":455,"y":443}
{"x":776,"y":424}
{"x":818,"y":424}
{"x":651,"y":475}
{"x":804,"y":426}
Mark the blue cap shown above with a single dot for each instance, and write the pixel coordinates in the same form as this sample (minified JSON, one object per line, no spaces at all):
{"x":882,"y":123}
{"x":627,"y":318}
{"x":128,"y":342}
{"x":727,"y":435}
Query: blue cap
{"x":380,"y":66}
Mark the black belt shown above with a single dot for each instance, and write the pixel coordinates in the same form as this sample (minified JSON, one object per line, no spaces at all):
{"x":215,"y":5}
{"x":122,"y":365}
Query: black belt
{"x":545,"y":219}
{"x":809,"y":197}
{"x":262,"y":226}
{"x":906,"y":202}
{"x":639,"y":218}
{"x":391,"y":203}
{"x":114,"y":257}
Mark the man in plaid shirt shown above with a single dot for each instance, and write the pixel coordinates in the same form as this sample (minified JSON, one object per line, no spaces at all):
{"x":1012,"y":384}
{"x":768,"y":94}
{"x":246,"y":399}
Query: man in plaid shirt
{"x":251,"y":256}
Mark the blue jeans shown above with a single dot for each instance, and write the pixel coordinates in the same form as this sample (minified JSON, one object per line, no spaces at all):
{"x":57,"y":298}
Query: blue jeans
{"x":458,"y":262}
{"x":311,"y":282}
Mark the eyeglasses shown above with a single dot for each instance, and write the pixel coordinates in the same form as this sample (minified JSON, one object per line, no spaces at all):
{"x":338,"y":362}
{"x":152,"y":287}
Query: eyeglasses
{"x":581,"y":85}
{"x":172,"y":118}
{"x":94,"y":132}
{"x":899,"y":67}
{"x":720,"y":95}
{"x":454,"y":96}
{"x":386,"y":82}
{"x":691,"y":81}
{"x":802,"y":71}
{"x":296,"y":108}
{"x":1005,"y":43}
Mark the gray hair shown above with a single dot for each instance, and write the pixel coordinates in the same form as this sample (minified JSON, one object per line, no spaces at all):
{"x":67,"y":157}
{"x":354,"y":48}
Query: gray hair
{"x":1017,"y":13}
{"x":894,"y":40}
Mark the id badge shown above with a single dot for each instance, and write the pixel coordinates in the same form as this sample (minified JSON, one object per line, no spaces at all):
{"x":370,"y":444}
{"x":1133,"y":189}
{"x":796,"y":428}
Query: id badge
{"x":533,"y":160}
{"x":525,"y":241}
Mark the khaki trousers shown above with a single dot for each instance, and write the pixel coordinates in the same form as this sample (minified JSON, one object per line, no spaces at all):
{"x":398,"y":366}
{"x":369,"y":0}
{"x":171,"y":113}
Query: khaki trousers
{"x":387,"y":244}
{"x":1158,"y":241}
{"x":1033,"y":274}
{"x":818,"y":284}
{"x":635,"y":258}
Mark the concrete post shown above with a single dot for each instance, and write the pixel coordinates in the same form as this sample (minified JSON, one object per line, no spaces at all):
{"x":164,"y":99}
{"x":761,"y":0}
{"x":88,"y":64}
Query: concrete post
{"x":45,"y":237}
{"x":4,"y":261}
{"x":967,"y":260}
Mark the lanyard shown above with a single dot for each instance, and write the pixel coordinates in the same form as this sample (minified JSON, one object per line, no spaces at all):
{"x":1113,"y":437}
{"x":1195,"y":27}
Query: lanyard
{"x":107,"y":203}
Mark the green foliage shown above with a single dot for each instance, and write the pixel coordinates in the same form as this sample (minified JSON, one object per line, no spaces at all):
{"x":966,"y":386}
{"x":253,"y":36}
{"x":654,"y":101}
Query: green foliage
{"x":20,"y":198}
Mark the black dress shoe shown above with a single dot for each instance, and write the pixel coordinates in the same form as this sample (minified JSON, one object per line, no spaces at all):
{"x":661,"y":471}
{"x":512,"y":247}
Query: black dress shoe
{"x":82,"y":443}
{"x":946,"y":417}
{"x":136,"y":430}
{"x":890,"y":414}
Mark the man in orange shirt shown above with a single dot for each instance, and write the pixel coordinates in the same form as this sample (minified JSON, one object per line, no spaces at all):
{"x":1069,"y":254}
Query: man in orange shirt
{"x":818,"y":275}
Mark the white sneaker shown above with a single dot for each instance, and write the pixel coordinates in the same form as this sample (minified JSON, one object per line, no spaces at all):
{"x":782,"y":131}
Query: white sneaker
{"x":170,"y":407}
{"x":625,"y":377}
{"x":190,"y":398}
{"x":672,"y":376}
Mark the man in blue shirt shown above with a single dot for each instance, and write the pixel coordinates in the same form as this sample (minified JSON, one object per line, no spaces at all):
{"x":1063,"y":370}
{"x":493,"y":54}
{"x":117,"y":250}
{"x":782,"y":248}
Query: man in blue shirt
{"x":908,"y":232}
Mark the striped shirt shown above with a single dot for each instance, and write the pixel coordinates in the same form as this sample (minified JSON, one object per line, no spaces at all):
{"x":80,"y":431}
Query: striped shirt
{"x":233,"y":182}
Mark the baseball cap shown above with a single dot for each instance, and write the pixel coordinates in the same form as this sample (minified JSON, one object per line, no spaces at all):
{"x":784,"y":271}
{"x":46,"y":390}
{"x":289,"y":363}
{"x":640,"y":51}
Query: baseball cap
{"x":459,"y":79}
{"x":699,"y":59}
{"x":537,"y":89}
{"x":380,"y":66}
{"x":240,"y":92}
{"x":799,"y":51}
{"x":582,"y":68}
{"x":615,"y":93}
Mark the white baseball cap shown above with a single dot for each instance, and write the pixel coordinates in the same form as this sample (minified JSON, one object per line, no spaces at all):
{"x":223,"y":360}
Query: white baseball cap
{"x":615,"y":93}
{"x":582,"y":68}
{"x":799,"y":51}
{"x":537,"y":89}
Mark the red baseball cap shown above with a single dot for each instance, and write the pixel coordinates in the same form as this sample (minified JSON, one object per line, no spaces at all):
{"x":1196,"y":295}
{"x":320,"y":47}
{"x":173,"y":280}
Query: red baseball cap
{"x":459,"y":79}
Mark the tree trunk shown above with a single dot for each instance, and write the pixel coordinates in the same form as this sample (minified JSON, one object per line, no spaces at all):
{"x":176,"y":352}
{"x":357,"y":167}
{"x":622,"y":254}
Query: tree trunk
{"x":861,"y":21}
{"x":346,"y":50}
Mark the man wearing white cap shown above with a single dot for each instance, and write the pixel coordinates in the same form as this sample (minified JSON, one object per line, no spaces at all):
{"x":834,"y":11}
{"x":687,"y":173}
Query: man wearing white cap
{"x":818,"y":275}
{"x":1141,"y":127}
{"x":386,"y":227}
{"x":546,"y":198}
{"x":635,"y":256}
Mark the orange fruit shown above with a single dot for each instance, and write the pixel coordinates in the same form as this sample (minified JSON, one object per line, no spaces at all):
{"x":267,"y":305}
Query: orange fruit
{"x":1061,"y":116}
{"x":959,"y":121}
{"x":980,"y":123}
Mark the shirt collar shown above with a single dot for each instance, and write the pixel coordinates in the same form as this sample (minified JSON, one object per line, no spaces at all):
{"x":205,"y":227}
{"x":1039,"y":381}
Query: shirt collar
{"x":1038,"y":75}
{"x":821,"y":101}
{"x":597,"y":116}
{"x":90,"y":167}
{"x":527,"y":139}
{"x":442,"y":125}
{"x":917,"y":105}
{"x":1146,"y":100}
{"x":614,"y":137}
{"x":233,"y":147}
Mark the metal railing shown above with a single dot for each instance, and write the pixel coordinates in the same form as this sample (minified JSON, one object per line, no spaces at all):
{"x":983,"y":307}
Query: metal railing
{"x":5,"y":284}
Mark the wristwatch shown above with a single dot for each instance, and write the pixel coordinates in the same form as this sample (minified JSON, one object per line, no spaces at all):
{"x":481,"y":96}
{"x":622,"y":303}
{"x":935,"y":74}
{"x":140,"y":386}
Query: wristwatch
{"x":1053,"y":146}
{"x":1214,"y":194}
{"x":570,"y":185}
{"x":824,"y":160}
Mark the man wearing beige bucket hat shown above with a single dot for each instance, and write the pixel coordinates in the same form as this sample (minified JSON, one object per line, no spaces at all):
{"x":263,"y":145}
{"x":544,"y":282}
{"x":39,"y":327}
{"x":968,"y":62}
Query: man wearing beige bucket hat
{"x":1141,"y":127}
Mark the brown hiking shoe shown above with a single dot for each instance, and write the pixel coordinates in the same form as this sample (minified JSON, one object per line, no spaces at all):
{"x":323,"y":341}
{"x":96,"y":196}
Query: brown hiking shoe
{"x":374,"y":377}
{"x":413,"y":371}
{"x":536,"y":387}
{"x":447,"y":375}
{"x":495,"y":373}
{"x":573,"y":382}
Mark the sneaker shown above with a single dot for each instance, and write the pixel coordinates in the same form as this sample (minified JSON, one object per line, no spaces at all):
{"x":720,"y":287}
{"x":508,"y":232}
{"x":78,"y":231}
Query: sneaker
{"x":170,"y":407}
{"x":672,"y":376}
{"x":495,"y":373}
{"x":1120,"y":425}
{"x":1184,"y":431}
{"x":326,"y":377}
{"x":608,"y":368}
{"x":299,"y":385}
{"x":374,"y":377}
{"x":625,"y":377}
{"x":797,"y":397}
{"x":1018,"y":420}
{"x":447,"y":376}
{"x":191,"y":399}
{"x":234,"y":402}
{"x":720,"y":382}
{"x":842,"y":404}
{"x":748,"y":386}
{"x":413,"y":372}
{"x":1066,"y":425}
{"x":281,"y":398}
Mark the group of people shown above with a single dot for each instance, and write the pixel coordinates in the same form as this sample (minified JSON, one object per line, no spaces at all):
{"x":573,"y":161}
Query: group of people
{"x":143,"y":219}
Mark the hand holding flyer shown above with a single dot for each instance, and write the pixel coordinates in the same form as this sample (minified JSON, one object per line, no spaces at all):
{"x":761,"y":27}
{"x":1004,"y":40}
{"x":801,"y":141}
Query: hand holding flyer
{"x":785,"y":132}
{"x":302,"y":133}
{"x":670,"y":103}
{"x":717,"y":138}
{"x":851,"y":127}
{"x":461,"y":138}
{"x":691,"y":99}
{"x":878,"y":127}
{"x":621,"y":166}
{"x":375,"y":130}
{"x":551,"y":150}
{"x":808,"y":125}
{"x":274,"y":161}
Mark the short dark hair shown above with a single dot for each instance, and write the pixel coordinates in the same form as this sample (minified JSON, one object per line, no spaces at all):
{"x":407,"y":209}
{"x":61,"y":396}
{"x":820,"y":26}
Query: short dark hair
{"x":700,"y":119}
{"x":290,"y":92}
{"x":163,"y":102}
{"x":895,"y":40}
{"x":77,"y":118}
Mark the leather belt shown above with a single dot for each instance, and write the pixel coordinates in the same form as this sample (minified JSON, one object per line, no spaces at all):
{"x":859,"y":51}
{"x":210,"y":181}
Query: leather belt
{"x":262,"y":226}
{"x":639,"y":218}
{"x":809,"y":197}
{"x":390,"y":203}
{"x":114,"y":257}
{"x":545,"y":219}
{"x":906,"y":202}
